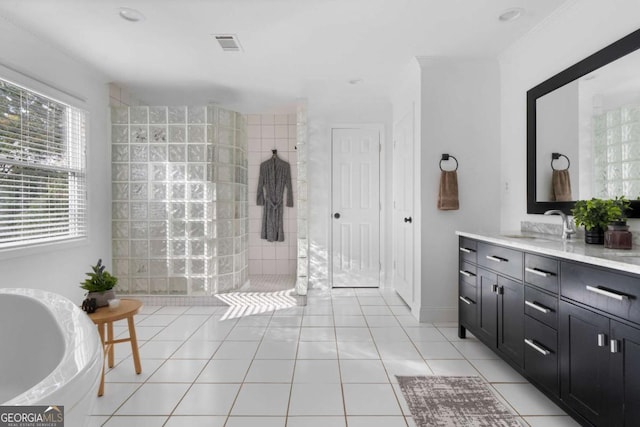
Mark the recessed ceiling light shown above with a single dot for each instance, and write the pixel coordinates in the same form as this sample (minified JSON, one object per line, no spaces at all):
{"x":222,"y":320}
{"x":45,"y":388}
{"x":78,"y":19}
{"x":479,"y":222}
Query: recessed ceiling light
{"x":511,"y":14}
{"x":130,"y":15}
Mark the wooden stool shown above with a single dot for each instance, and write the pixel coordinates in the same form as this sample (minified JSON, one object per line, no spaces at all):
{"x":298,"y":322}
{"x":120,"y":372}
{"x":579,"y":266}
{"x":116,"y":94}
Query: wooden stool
{"x":105,"y":316}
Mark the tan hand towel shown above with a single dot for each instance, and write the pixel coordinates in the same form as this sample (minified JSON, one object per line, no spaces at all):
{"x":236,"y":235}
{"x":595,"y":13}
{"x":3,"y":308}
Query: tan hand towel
{"x":561,"y":185}
{"x":448,"y":193}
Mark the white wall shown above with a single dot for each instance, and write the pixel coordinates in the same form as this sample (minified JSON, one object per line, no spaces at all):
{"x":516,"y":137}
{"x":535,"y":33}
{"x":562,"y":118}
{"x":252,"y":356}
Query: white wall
{"x":572,"y":33}
{"x":460,"y":116}
{"x":323,"y":113}
{"x":60,"y":268}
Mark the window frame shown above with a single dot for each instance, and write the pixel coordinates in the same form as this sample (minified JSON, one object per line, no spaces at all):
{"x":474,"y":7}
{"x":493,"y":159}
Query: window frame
{"x":44,"y":89}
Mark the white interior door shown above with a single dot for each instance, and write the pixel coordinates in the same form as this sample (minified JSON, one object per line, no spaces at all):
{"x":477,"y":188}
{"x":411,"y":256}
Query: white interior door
{"x":402,"y":216}
{"x":355,"y":187}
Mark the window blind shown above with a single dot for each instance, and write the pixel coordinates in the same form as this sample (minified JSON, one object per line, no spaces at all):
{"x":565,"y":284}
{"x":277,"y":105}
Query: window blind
{"x":42,"y":168}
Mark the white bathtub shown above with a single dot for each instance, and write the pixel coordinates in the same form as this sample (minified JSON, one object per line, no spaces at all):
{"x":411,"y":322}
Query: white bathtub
{"x":51,"y":353}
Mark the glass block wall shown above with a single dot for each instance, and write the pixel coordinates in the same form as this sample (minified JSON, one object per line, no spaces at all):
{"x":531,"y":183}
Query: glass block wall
{"x":179,"y":196}
{"x":617,"y":152}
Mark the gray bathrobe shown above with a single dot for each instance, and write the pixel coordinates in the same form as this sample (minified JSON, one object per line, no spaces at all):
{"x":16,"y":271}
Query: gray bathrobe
{"x":275,"y":175}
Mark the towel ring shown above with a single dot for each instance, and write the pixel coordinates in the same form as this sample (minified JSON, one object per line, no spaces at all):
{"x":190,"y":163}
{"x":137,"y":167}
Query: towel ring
{"x":446,"y":157}
{"x":556,"y":156}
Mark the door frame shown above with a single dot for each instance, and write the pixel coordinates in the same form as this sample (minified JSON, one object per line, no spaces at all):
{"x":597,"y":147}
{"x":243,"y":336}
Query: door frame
{"x":380,"y":127}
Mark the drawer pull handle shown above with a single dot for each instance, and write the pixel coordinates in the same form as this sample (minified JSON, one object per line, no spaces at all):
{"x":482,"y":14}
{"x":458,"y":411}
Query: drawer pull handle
{"x":496,"y":259}
{"x":614,"y":295}
{"x":466,"y":300}
{"x":539,"y":272}
{"x":538,"y":307}
{"x":467,"y":250}
{"x":467,"y":274}
{"x":614,"y":346}
{"x":536,"y":347}
{"x":602,"y":340}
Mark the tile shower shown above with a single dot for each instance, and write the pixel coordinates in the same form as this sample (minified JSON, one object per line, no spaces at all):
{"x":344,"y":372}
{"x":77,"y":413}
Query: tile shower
{"x":180,"y":200}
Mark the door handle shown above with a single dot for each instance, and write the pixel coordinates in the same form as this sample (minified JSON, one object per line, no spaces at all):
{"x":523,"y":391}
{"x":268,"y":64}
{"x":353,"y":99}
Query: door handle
{"x":409,"y":220}
{"x":336,"y":215}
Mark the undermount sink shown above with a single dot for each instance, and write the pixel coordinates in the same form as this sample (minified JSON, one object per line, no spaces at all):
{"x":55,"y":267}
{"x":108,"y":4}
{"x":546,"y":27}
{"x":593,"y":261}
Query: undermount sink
{"x":524,"y":237}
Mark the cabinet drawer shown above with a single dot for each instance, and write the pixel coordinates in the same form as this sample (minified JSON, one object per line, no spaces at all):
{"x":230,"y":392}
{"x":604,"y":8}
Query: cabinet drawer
{"x":541,"y":306}
{"x":612,"y":292}
{"x":541,"y":354}
{"x":468,"y":273}
{"x":467,"y":305}
{"x":468,"y":250}
{"x":502,"y":260}
{"x":541,"y":271}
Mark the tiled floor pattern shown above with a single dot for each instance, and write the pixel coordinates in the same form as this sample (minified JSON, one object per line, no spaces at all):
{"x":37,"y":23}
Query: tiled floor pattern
{"x":329,"y":364}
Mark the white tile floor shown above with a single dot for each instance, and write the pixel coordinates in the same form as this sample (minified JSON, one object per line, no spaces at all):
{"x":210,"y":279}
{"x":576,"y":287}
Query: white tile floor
{"x":329,"y":364}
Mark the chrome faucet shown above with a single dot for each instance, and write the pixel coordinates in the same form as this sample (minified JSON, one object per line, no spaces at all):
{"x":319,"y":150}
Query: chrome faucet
{"x":567,"y":227}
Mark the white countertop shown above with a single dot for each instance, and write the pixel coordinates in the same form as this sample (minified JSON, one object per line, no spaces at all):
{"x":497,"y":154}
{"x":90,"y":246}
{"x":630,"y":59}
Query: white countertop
{"x":573,"y":249}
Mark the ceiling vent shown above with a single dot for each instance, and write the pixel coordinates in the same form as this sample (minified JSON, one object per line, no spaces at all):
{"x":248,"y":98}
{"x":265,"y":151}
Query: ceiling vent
{"x":228,"y":42}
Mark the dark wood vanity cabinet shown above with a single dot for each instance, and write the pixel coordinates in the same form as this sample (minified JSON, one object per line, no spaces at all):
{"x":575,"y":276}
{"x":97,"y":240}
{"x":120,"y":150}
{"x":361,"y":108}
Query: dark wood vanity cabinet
{"x":499,"y":315}
{"x":572,"y":329}
{"x":600,"y":353}
{"x":468,"y":283}
{"x":584,"y":362}
{"x":625,"y":375}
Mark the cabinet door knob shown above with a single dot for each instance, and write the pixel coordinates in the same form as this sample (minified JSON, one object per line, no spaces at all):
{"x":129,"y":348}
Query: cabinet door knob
{"x":409,"y":220}
{"x":336,"y":215}
{"x":614,"y":346}
{"x":602,"y":340}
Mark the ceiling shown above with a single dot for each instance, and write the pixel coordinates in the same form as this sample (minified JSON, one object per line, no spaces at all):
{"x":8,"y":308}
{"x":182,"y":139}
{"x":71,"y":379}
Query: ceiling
{"x":292,"y":49}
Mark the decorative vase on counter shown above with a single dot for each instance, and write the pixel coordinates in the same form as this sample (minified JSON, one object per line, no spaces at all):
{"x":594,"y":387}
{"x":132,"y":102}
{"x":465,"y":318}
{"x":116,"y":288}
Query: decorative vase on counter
{"x":618,"y":236}
{"x":595,"y":236}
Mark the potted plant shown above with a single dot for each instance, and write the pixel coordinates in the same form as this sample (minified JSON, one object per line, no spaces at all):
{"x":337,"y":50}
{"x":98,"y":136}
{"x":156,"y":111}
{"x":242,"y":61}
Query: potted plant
{"x":596,"y":214}
{"x":100,"y":284}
